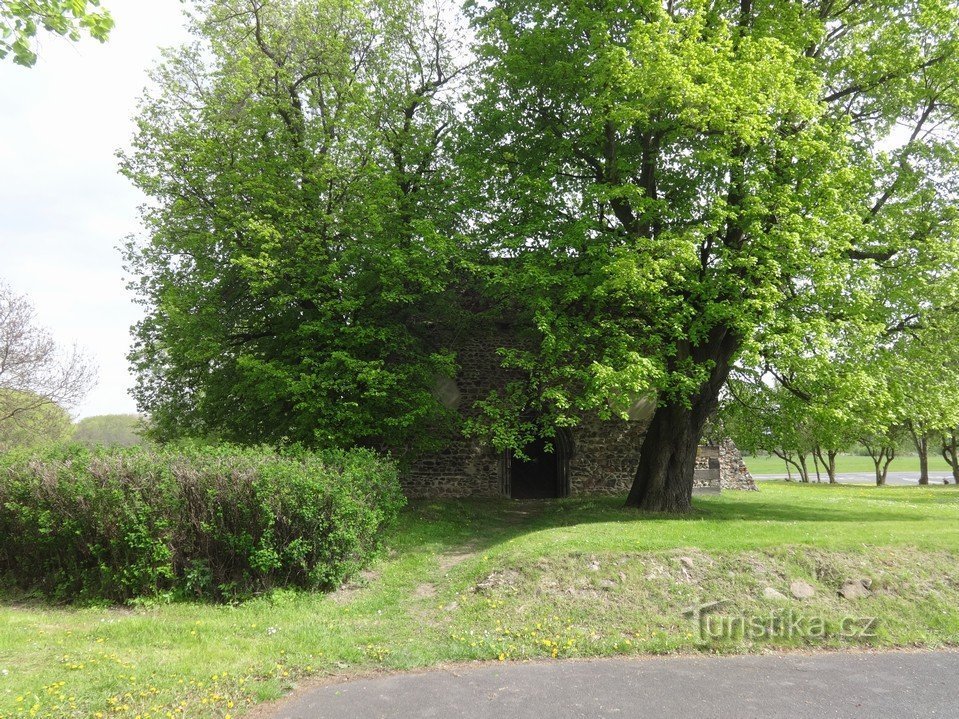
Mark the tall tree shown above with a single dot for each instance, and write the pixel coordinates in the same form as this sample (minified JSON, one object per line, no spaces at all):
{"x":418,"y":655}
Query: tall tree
{"x":682,"y":186}
{"x":297,"y":256}
{"x":924,"y":376}
{"x":38,"y":379}
{"x":20,"y":20}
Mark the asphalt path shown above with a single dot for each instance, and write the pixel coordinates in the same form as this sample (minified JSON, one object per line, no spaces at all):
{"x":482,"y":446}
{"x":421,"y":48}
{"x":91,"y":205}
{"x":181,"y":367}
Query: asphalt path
{"x":786,"y":686}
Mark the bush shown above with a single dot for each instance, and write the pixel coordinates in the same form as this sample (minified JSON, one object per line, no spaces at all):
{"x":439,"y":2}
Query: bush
{"x":189,"y":522}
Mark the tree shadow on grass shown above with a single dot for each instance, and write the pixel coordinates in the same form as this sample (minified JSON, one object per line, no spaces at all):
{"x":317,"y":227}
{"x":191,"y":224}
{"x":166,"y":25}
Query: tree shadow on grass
{"x":470,"y":526}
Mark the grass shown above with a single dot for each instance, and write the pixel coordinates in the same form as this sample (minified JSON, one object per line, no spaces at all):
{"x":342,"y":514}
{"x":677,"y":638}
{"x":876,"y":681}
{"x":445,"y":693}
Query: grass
{"x":498,"y":580}
{"x":768,"y":464}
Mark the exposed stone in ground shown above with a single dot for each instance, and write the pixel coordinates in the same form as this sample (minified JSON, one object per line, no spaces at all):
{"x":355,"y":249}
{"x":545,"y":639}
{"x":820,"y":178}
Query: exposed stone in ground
{"x":770,"y":593}
{"x":802,"y":590}
{"x":854,"y":589}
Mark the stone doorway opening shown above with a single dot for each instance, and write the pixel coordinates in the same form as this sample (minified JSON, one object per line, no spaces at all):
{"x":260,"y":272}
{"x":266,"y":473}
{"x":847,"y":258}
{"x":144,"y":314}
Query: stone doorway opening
{"x":543,"y":474}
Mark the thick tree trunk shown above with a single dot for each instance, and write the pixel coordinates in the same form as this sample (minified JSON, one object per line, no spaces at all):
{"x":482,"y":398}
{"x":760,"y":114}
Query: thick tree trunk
{"x":890,"y":455}
{"x":804,"y":468}
{"x":667,"y":460}
{"x":664,"y":478}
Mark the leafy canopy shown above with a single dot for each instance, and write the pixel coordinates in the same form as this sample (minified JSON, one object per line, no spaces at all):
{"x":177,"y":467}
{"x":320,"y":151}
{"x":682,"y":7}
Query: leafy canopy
{"x":686,"y":188}
{"x":297,"y":255}
{"x":20,"y":21}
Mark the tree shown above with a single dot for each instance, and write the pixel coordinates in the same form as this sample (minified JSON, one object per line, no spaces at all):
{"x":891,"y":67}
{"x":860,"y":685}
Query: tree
{"x":949,"y":447}
{"x":20,"y":21}
{"x":112,"y":430}
{"x":36,"y":422}
{"x":882,"y":449}
{"x":925,"y":381}
{"x":298,"y":259}
{"x":38,"y":380}
{"x":769,"y":418}
{"x":684,"y":188}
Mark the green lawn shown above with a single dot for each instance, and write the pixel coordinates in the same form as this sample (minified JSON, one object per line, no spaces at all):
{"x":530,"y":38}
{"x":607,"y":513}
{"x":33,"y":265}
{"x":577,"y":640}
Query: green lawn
{"x":767,"y":464}
{"x":497,"y":580}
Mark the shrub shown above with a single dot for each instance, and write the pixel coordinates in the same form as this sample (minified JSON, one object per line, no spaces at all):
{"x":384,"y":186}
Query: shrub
{"x":205,"y":522}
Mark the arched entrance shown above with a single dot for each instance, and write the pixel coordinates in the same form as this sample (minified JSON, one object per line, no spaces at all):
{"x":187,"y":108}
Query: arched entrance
{"x":544,"y":474}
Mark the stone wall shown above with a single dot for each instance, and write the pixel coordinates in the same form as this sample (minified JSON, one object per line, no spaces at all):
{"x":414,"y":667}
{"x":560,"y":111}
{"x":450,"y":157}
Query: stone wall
{"x":602,"y":461}
{"x":733,"y":471}
{"x":466,"y":467}
{"x":707,"y":474}
{"x":603,"y":455}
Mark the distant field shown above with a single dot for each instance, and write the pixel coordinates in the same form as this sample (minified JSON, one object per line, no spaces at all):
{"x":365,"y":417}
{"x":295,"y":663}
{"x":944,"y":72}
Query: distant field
{"x":848,"y":463}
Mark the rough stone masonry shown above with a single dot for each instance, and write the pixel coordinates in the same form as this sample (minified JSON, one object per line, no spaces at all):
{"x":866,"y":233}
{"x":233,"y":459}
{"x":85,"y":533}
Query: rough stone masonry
{"x":596,"y":457}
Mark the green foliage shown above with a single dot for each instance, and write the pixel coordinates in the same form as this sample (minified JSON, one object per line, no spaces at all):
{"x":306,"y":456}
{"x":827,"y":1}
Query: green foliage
{"x":30,"y":420}
{"x":20,"y":20}
{"x":110,"y":430}
{"x":585,"y":573}
{"x":190,"y":521}
{"x":297,"y":258}
{"x":690,"y":188}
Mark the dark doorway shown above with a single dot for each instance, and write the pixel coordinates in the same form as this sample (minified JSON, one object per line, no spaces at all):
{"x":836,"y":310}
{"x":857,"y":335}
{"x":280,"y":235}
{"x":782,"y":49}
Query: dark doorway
{"x":542,"y":475}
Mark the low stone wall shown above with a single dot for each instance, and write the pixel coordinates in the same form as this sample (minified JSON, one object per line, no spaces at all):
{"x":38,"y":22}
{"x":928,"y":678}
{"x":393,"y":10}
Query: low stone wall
{"x":602,"y":455}
{"x":605,"y":455}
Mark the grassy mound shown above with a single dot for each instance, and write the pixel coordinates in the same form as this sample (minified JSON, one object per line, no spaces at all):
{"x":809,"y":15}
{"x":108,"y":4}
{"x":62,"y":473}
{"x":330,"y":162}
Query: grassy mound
{"x":490,"y":580}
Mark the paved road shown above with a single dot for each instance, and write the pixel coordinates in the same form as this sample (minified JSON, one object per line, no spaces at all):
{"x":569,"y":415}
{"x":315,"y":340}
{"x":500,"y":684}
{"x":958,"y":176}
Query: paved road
{"x":898,"y":478}
{"x":894,"y":684}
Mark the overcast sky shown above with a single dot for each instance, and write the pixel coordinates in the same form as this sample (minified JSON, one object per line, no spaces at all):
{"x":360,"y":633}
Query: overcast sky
{"x":64,"y":209}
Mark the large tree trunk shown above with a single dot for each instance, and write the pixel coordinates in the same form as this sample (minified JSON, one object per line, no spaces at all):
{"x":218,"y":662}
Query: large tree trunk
{"x":667,"y":460}
{"x":924,"y":461}
{"x":664,"y":478}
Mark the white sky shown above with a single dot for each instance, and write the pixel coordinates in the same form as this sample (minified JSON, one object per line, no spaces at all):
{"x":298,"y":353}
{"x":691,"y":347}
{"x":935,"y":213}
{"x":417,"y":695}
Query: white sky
{"x":64,"y":209}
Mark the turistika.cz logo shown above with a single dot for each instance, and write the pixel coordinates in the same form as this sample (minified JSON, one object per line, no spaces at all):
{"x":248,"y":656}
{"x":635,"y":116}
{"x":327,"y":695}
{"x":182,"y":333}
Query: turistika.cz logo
{"x":714,"y":626}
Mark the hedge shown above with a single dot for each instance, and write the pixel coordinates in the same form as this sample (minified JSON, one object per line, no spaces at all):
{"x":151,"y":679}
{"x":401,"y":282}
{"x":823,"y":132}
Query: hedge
{"x":215,"y":523}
